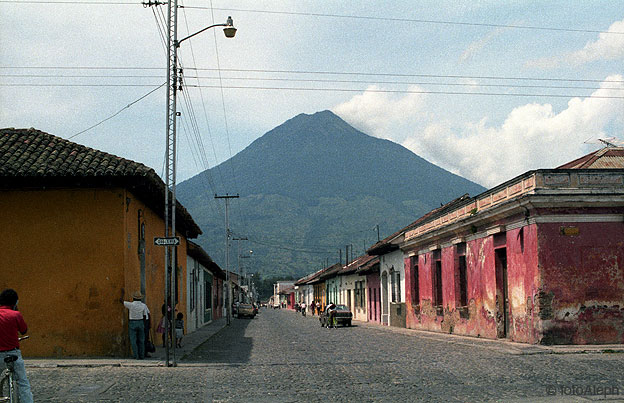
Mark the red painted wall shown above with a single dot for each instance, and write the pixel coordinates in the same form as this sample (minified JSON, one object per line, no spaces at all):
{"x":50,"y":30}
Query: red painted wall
{"x":583,"y":276}
{"x":373,"y":282}
{"x":479,"y":317}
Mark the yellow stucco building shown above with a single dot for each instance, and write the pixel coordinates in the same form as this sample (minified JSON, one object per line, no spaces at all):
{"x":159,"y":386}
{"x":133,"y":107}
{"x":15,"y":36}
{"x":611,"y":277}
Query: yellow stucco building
{"x":80,"y":225}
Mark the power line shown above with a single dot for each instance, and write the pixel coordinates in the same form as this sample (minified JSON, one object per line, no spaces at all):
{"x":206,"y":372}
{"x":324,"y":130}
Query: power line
{"x":416,"y":92}
{"x":203,"y":103}
{"x":416,"y":20}
{"x":321,"y":72}
{"x":361,"y":73}
{"x":86,"y":3}
{"x":327,"y":15}
{"x":117,"y":113}
{"x":324,"y":81}
{"x":387,"y":91}
{"x":290,"y":248}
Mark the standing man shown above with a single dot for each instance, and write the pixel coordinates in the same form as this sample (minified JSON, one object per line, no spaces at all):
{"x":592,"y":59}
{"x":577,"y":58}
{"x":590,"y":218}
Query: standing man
{"x":11,"y":322}
{"x":137,"y":311}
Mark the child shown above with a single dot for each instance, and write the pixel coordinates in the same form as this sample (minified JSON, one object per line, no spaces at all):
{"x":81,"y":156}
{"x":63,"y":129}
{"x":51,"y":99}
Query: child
{"x":179,"y":329}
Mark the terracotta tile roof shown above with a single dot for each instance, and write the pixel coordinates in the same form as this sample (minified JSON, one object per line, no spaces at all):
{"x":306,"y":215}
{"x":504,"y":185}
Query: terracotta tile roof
{"x":30,"y":158}
{"x":384,"y":246}
{"x":356,"y":264}
{"x":198,"y":253}
{"x":605,"y":158}
{"x":370,"y":267}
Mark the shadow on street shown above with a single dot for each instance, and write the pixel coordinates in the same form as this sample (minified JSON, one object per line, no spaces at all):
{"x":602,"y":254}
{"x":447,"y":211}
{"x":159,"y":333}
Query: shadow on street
{"x":228,"y":346}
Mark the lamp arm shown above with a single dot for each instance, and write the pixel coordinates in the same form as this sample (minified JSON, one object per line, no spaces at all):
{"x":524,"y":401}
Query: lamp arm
{"x":177,"y":44}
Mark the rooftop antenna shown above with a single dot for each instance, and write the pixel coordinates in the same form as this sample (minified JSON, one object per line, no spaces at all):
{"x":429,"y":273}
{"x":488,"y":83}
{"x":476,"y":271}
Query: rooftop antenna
{"x":607,"y":142}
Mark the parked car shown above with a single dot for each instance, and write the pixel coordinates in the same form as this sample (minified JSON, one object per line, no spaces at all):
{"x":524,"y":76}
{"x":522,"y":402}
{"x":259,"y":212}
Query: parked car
{"x":246,"y":310}
{"x":343,"y":316}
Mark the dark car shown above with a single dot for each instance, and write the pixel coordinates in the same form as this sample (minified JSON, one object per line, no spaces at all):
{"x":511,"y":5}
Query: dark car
{"x":343,"y":316}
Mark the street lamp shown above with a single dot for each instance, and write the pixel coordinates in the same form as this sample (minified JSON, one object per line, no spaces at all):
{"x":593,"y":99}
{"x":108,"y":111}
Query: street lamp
{"x":170,"y":180}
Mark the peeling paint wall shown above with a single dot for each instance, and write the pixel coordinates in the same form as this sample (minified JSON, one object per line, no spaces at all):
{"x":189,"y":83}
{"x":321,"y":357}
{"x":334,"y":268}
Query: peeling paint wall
{"x":582,"y":299}
{"x":479,"y":316}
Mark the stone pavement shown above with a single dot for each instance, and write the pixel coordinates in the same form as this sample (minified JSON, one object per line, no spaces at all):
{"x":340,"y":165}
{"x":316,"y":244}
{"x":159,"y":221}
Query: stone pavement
{"x":281,"y":356}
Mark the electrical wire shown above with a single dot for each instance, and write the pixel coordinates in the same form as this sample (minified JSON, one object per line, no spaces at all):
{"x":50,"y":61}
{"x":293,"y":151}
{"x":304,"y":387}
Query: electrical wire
{"x":324,"y":81}
{"x":363,"y":90}
{"x":321,"y":72}
{"x":416,"y":92}
{"x":327,"y":15}
{"x":290,"y":248}
{"x":209,"y":131}
{"x":117,"y":113}
{"x":225,"y":119}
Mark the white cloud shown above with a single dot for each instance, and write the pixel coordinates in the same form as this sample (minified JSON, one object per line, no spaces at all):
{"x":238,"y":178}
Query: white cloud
{"x":476,"y":46}
{"x":378,"y":113}
{"x":608,"y":46}
{"x":532,"y":136}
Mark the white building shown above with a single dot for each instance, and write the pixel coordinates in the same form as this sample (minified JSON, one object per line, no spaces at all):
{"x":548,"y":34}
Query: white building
{"x":201,"y":276}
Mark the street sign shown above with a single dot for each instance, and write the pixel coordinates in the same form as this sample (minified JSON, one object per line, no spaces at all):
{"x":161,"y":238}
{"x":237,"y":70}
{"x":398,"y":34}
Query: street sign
{"x":171,"y":241}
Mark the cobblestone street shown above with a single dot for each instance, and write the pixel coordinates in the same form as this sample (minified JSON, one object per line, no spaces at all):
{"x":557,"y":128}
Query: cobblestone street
{"x":284,"y":357}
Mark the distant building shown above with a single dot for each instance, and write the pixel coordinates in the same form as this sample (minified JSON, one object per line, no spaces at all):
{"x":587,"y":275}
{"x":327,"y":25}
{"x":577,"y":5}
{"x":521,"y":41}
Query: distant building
{"x":279,"y":287}
{"x":80,"y":225}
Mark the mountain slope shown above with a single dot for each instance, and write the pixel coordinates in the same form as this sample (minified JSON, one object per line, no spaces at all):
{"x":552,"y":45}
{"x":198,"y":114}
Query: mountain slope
{"x":316,"y":183}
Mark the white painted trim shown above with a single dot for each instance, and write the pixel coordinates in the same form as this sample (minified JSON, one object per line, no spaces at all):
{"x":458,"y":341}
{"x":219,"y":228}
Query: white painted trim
{"x":458,"y":240}
{"x":579,"y":218}
{"x":495,"y":230}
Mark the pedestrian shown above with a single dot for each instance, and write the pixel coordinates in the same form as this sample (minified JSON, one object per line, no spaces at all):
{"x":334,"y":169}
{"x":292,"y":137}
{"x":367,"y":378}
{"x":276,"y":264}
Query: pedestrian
{"x":179,"y":329}
{"x":303,"y":308}
{"x":331,"y":315}
{"x":137,"y":311}
{"x":12,"y":322}
{"x":312,"y":307}
{"x":162,"y":325}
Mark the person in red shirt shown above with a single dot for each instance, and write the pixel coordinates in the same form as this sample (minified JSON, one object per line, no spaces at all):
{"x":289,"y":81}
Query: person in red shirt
{"x":12,"y":322}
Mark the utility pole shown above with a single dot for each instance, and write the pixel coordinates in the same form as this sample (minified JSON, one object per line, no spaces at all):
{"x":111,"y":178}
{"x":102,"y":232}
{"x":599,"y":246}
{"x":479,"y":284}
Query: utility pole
{"x":377,"y":227}
{"x":244,"y":238}
{"x":246,"y":276}
{"x":340,"y":260}
{"x":171,"y":153}
{"x":228,"y":305}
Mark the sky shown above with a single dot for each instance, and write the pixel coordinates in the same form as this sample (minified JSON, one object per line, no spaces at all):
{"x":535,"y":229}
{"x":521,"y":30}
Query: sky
{"x":485,"y":89}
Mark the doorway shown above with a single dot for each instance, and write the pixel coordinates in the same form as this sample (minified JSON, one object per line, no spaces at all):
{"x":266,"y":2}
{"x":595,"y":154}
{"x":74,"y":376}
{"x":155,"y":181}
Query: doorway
{"x":384,"y":299}
{"x":349,"y":300}
{"x":502,"y":294}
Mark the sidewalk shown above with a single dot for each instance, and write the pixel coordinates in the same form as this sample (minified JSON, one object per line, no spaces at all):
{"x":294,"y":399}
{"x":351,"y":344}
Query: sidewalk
{"x":502,"y":344}
{"x":189,"y":343}
{"x":497,"y":344}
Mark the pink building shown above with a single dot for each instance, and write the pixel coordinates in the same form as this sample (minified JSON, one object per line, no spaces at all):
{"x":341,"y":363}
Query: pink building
{"x":537,"y":259}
